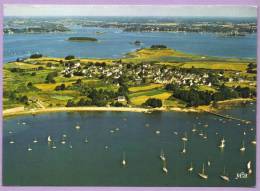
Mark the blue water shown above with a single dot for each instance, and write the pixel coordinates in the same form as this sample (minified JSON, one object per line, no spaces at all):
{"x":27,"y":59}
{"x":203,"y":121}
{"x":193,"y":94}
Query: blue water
{"x":114,"y":43}
{"x":91,"y":164}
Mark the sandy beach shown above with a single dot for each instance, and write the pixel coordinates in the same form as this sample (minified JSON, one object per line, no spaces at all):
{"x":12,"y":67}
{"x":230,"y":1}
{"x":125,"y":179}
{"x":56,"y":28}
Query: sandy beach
{"x":24,"y":111}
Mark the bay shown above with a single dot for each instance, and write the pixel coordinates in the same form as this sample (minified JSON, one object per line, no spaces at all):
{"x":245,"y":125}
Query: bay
{"x":114,"y":43}
{"x":110,"y":134}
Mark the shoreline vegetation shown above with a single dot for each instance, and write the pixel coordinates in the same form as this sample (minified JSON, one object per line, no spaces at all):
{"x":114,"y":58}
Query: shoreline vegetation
{"x":82,"y":39}
{"x":155,"y":78}
{"x":26,"y":111}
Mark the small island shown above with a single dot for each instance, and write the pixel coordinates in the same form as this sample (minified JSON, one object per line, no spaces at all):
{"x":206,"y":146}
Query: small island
{"x":83,"y":39}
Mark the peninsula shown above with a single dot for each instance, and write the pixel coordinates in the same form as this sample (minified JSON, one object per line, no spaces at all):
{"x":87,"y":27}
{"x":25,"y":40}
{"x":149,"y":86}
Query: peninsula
{"x":148,"y":79}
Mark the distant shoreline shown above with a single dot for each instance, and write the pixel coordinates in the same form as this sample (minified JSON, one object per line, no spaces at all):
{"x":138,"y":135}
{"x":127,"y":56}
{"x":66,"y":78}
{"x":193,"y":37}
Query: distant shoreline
{"x":23,"y":111}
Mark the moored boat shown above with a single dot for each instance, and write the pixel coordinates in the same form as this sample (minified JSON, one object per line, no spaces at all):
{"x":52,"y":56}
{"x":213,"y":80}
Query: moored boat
{"x":224,"y":176}
{"x":202,"y":173}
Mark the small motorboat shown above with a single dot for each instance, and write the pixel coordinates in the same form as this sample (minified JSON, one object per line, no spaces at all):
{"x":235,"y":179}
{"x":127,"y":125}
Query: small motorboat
{"x":157,"y":132}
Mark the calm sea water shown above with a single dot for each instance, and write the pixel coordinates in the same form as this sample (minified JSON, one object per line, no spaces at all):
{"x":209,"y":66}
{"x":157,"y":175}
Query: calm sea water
{"x":93,"y":164}
{"x":114,"y":43}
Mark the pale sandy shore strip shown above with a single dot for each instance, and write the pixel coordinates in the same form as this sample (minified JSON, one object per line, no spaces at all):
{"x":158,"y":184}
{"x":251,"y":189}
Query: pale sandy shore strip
{"x":23,"y":111}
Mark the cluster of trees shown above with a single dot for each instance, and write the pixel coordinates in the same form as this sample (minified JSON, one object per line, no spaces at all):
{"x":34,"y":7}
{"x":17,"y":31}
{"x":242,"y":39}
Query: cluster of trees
{"x":12,"y":95}
{"x":36,"y":56}
{"x":50,"y":77}
{"x":69,"y":57}
{"x":95,"y":97}
{"x":158,"y":46}
{"x":14,"y":70}
{"x":153,"y":102}
{"x":195,"y":97}
{"x":251,"y":68}
{"x":60,"y":87}
{"x":24,"y":99}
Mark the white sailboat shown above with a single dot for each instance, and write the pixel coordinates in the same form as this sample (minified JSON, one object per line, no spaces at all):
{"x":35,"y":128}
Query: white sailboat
{"x":249,"y":169}
{"x":194,"y":130}
{"x":162,"y":156}
{"x":243,"y":148}
{"x":224,"y":175}
{"x":253,"y":142}
{"x":165,"y":170}
{"x":29,"y":148}
{"x":11,"y":141}
{"x":86,"y":140}
{"x":202,"y":173}
{"x":63,"y":141}
{"x":35,"y":140}
{"x":77,"y":127}
{"x":49,"y":139}
{"x":185,"y":138}
{"x":53,"y":146}
{"x":184,"y":149}
{"x":124,"y":160}
{"x":222,"y":144}
{"x":190,"y":169}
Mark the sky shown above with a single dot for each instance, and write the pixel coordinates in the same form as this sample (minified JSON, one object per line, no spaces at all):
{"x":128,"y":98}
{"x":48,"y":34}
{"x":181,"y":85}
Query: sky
{"x":129,"y":10}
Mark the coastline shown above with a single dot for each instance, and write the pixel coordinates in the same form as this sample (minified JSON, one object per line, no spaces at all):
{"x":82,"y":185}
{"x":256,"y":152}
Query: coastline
{"x":23,"y":111}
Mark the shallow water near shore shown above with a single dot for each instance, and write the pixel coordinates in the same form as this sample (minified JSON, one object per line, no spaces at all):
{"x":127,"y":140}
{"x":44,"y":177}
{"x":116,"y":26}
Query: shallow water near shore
{"x":110,"y":134}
